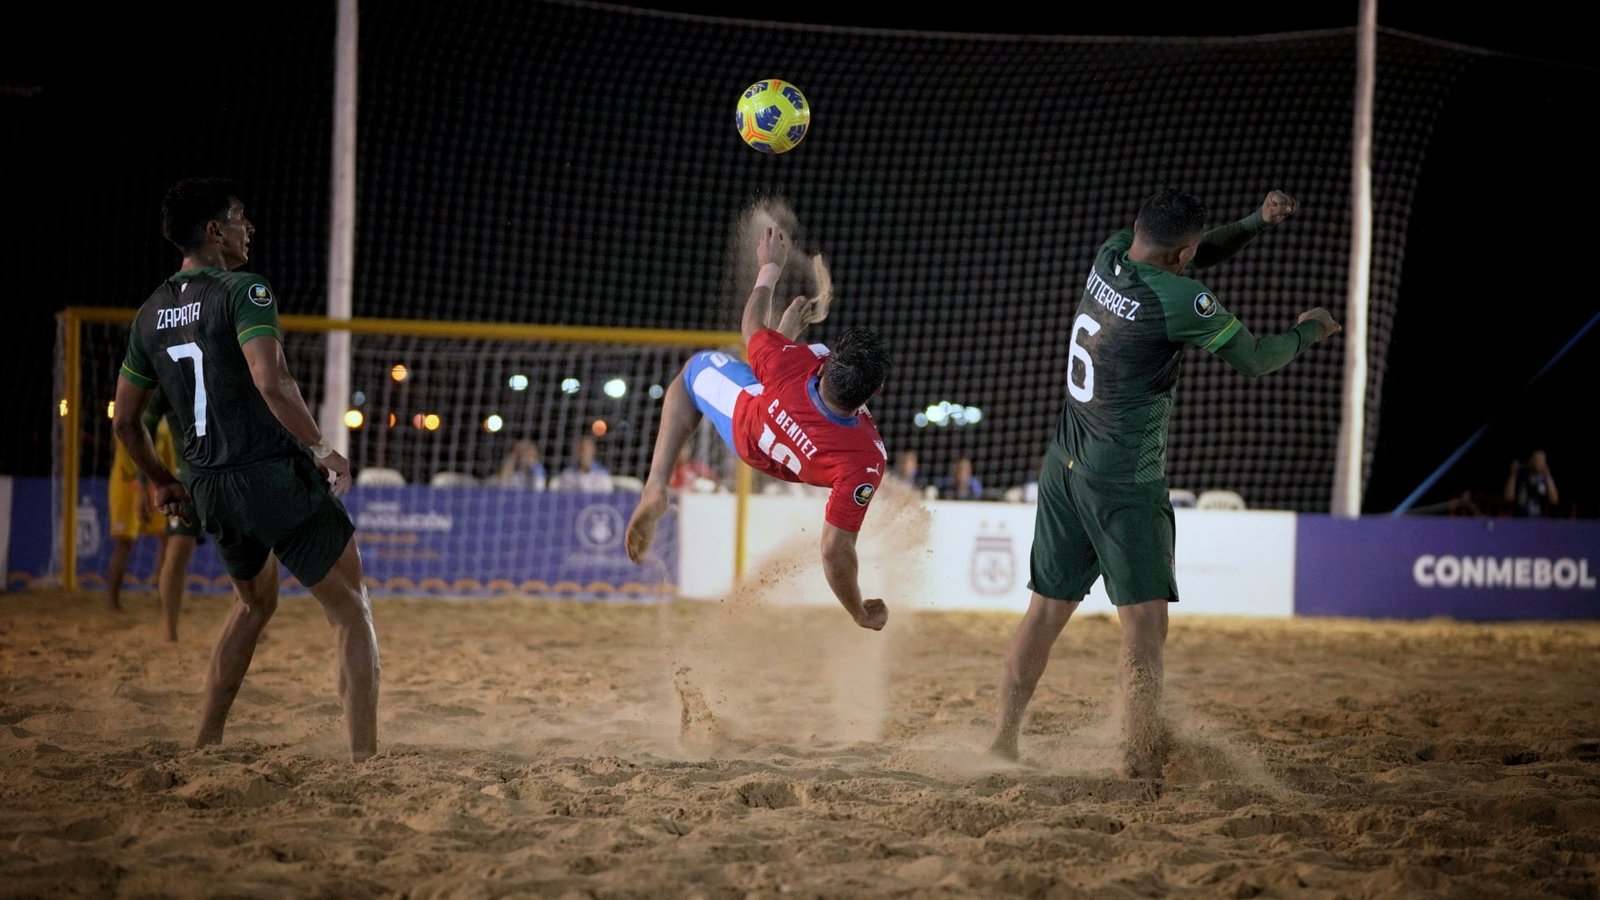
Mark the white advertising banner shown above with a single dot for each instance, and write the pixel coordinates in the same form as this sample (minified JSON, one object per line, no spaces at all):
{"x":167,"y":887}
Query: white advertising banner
{"x":972,"y":555}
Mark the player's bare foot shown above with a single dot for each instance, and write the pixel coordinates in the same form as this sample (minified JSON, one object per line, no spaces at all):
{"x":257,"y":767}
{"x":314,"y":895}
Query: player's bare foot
{"x":642,"y":526}
{"x":1005,"y":748}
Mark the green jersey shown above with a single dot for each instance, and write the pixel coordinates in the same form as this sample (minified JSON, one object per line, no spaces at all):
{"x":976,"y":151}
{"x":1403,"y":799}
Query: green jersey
{"x":188,"y":338}
{"x":1127,"y":347}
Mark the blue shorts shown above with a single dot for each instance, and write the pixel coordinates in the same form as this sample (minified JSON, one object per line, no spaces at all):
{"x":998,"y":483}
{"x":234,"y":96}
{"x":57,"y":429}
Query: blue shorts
{"x":715,"y":381}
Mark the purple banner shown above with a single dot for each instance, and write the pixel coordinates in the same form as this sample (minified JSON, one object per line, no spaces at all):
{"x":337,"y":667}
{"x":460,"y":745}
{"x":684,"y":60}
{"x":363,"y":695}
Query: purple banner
{"x":414,"y":540}
{"x":1476,"y":569}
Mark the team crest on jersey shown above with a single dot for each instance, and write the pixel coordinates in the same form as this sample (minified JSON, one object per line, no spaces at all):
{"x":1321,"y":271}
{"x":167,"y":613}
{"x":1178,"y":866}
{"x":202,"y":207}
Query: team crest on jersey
{"x":260,"y":295}
{"x":864,"y":494}
{"x":1205,"y":305}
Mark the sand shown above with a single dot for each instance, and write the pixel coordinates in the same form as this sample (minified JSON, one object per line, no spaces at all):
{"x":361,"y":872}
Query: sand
{"x":569,"y":749}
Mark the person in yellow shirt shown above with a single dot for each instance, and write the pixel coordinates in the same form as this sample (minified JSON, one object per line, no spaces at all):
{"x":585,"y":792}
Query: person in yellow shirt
{"x":133,"y":516}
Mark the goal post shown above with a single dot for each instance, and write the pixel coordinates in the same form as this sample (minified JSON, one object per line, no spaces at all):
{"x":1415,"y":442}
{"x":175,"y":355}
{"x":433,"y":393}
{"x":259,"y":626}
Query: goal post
{"x":458,"y":415}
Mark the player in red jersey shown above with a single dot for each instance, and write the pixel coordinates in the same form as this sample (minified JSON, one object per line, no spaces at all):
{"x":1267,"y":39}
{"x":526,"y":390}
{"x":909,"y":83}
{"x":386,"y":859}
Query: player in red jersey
{"x":795,"y":412}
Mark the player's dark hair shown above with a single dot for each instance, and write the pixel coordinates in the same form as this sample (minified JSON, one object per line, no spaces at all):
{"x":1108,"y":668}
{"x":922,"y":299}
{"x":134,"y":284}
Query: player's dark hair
{"x":856,"y":367}
{"x":1171,"y":218}
{"x":190,"y":204}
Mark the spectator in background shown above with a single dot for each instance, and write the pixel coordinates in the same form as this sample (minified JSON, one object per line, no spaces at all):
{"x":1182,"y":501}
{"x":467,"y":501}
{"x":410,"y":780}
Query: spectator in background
{"x":133,"y":516}
{"x":584,"y":472}
{"x":907,"y":471}
{"x":523,"y":468}
{"x":961,"y":484}
{"x":691,"y":474}
{"x":1530,"y":489}
{"x":183,"y":530}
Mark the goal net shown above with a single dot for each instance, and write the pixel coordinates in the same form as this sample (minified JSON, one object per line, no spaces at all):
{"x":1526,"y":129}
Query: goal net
{"x":511,"y":172}
{"x":506,"y":462}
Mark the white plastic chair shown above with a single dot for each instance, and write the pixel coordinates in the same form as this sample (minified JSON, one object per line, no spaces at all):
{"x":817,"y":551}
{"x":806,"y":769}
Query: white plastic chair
{"x":448,"y":479}
{"x":1014,"y":494}
{"x":378,"y":476}
{"x":1219,"y":499}
{"x":1181,"y":499}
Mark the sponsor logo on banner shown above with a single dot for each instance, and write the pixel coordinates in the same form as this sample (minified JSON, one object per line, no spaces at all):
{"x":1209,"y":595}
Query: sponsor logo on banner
{"x":599,"y":527}
{"x":994,"y":562}
{"x":1539,"y":573}
{"x":386,"y":515}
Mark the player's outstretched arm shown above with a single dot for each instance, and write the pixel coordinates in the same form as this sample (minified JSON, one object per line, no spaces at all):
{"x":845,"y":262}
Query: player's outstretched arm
{"x":270,"y":372}
{"x":839,"y":563}
{"x":127,"y":422}
{"x":772,"y":251}
{"x":1224,"y":241}
{"x":1257,"y":356}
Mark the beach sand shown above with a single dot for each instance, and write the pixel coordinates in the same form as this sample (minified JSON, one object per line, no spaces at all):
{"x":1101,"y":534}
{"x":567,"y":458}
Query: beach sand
{"x":569,"y":749}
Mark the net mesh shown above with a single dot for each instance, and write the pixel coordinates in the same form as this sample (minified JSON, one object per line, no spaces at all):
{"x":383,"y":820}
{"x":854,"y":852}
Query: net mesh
{"x":567,"y":163}
{"x":452,"y":412}
{"x":958,"y":186}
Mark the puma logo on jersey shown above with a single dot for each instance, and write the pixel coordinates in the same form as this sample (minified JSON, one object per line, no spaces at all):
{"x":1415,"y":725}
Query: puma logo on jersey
{"x":874,"y":470}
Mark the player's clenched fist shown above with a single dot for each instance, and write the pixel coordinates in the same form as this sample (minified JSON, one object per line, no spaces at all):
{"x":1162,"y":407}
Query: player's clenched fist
{"x":1277,"y":207}
{"x":874,"y":614}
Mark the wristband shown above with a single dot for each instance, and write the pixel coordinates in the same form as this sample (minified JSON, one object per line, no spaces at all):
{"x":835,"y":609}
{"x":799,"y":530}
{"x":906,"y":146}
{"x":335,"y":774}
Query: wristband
{"x":769,"y":276}
{"x":322,"y":450}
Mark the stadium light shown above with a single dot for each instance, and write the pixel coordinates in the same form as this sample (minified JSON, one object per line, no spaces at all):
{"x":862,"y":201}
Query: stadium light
{"x":61,"y":408}
{"x":391,"y":420}
{"x":494,"y":423}
{"x":945,"y":413}
{"x":111,"y":410}
{"x":517,"y":382}
{"x":616,"y":388}
{"x":399,"y":372}
{"x":359,"y":398}
{"x":431,"y":421}
{"x":570,"y":385}
{"x":599,"y":428}
{"x":353,"y":419}
{"x":657,"y":392}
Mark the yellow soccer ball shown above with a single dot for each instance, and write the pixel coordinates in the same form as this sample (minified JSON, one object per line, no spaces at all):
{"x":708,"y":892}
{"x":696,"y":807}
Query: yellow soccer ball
{"x":773,"y":116}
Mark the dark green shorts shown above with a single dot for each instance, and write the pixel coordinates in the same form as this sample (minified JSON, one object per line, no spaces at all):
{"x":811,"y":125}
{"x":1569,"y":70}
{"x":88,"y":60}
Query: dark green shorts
{"x":1084,"y":529}
{"x":280,"y":506}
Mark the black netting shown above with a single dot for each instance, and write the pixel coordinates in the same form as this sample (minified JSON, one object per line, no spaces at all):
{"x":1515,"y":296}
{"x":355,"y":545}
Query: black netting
{"x":568,"y":164}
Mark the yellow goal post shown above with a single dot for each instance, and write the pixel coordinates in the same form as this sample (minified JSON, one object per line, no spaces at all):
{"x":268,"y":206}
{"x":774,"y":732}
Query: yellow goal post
{"x":92,"y":341}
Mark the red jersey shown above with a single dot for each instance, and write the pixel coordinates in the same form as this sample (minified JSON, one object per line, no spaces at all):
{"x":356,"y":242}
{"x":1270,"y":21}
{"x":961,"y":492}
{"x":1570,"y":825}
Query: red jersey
{"x":782,"y":428}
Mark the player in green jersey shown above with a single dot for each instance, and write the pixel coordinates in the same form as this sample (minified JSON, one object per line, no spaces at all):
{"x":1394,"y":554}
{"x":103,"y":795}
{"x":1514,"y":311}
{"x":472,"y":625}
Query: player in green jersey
{"x":1103,"y":504}
{"x":259,"y":467}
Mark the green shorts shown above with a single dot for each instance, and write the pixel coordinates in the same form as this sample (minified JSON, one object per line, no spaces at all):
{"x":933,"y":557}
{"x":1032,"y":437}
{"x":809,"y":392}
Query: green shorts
{"x":1085,"y":528}
{"x":280,"y":506}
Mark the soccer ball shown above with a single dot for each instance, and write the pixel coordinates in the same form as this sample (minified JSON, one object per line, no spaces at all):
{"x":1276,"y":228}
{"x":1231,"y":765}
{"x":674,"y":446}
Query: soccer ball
{"x":773,"y":116}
